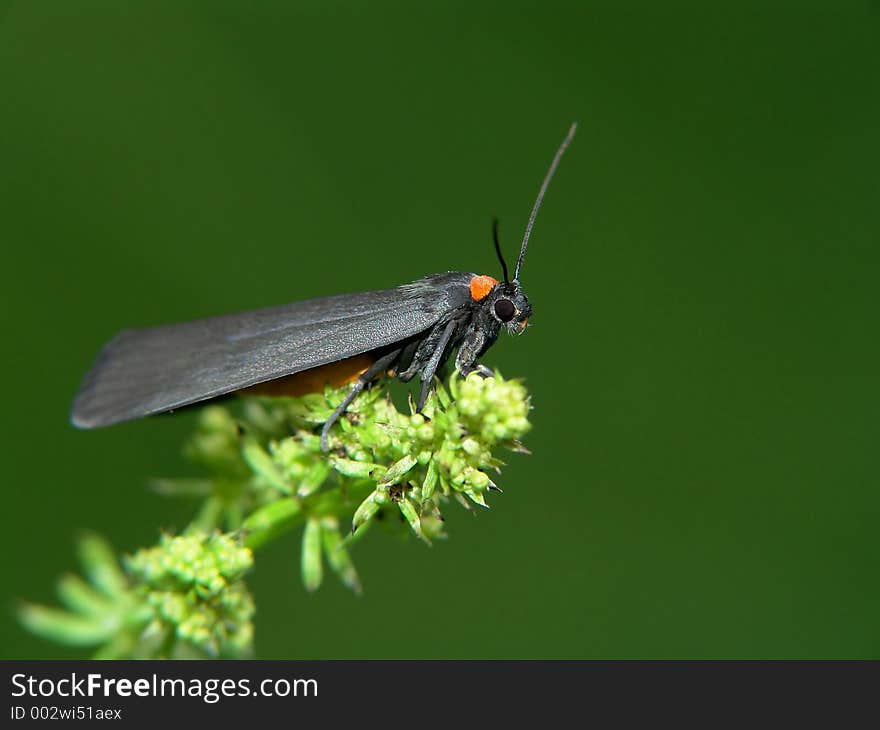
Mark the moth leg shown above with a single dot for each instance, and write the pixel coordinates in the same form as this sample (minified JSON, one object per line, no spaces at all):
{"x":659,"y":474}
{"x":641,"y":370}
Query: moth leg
{"x":431,"y":367}
{"x":407,"y":364}
{"x":365,"y":377}
{"x":468,"y":352}
{"x":479,"y":369}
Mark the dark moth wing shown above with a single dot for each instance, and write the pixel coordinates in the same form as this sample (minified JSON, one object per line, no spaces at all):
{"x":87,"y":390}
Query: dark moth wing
{"x":146,"y":371}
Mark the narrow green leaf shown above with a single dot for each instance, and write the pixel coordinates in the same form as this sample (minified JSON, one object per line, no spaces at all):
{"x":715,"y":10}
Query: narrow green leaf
{"x":477,"y":498}
{"x":430,"y":482}
{"x":100,"y":565}
{"x":82,"y":598}
{"x":412,"y":517}
{"x":209,"y":515}
{"x":270,"y":520}
{"x":398,"y":469}
{"x":314,"y":478}
{"x":442,"y":395}
{"x":312,"y":570}
{"x":357,"y":469}
{"x":259,"y":460}
{"x":338,"y":557}
{"x":368,"y":508}
{"x":352,"y":537}
{"x":65,"y":628}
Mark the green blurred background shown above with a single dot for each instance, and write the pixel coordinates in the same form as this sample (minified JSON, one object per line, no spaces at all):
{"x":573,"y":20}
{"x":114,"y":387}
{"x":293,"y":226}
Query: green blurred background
{"x":704,"y":356}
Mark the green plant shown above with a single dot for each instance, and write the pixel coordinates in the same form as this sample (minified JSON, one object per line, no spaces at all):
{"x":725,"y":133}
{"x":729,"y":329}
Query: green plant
{"x":266,"y":475}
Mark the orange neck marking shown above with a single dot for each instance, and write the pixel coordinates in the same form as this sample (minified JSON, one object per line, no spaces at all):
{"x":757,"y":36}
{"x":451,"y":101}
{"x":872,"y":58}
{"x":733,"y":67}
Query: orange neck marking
{"x":481,"y":286}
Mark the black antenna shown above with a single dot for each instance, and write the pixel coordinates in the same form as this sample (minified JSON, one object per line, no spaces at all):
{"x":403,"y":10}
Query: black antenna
{"x":537,"y":205}
{"x":498,"y":249}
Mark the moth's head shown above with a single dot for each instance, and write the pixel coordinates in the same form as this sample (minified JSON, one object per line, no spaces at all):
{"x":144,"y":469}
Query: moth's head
{"x":502,"y":301}
{"x":510,"y":306}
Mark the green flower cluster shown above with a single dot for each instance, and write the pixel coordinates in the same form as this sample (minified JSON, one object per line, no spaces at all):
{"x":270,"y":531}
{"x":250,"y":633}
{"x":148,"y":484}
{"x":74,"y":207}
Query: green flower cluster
{"x":404,"y":461}
{"x":445,"y":452}
{"x":182,"y":598}
{"x":266,"y":475}
{"x":193,"y":594}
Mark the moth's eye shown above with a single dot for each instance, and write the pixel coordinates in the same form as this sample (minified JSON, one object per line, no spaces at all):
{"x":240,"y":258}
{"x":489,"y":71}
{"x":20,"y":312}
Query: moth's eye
{"x":504,"y":310}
